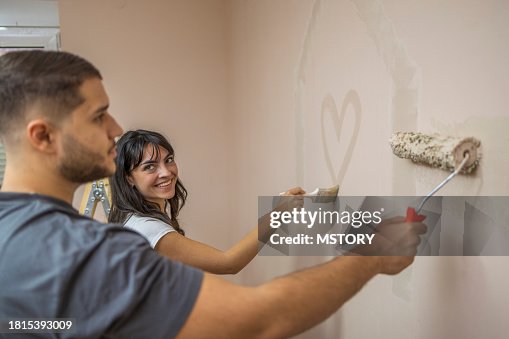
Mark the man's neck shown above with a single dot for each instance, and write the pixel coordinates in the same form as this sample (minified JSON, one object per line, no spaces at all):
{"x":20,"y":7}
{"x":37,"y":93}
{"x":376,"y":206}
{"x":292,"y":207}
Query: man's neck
{"x":30,"y":181}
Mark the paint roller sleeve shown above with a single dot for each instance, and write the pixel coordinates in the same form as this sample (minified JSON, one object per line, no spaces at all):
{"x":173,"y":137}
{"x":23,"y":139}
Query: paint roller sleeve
{"x":444,"y":152}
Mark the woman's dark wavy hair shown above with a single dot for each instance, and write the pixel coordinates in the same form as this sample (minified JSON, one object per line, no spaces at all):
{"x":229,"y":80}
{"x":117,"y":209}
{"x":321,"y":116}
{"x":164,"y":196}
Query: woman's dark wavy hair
{"x":127,"y":200}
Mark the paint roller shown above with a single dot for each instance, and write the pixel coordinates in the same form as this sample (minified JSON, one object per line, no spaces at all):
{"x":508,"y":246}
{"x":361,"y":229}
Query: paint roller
{"x":459,"y":155}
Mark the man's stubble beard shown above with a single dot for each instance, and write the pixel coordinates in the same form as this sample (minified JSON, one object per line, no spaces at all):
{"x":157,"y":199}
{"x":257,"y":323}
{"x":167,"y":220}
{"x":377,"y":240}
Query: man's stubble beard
{"x":80,"y":164}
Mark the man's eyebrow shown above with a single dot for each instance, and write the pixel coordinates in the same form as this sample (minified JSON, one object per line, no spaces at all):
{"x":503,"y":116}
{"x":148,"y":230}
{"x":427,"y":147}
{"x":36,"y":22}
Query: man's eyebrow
{"x":102,"y":109}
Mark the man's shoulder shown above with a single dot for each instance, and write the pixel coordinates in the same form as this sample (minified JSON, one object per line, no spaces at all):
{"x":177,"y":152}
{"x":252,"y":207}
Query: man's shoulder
{"x":32,"y":203}
{"x":124,"y":280}
{"x":39,"y":215}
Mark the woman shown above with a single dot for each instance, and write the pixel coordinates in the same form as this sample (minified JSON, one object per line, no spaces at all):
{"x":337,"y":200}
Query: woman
{"x":146,"y":186}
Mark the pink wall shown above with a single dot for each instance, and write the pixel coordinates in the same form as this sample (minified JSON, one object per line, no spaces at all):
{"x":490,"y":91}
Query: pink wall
{"x":164,"y":65}
{"x":240,"y":87}
{"x":430,"y":66}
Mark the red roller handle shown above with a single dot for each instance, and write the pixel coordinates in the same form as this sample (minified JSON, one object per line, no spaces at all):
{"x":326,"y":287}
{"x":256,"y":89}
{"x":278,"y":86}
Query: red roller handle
{"x":412,"y":216}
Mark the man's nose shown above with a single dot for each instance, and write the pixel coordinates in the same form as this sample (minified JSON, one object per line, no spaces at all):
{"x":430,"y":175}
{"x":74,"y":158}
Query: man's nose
{"x":115,"y":129}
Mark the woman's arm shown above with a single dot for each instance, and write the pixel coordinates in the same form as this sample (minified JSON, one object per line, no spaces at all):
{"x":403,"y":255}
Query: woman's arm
{"x":210,"y":259}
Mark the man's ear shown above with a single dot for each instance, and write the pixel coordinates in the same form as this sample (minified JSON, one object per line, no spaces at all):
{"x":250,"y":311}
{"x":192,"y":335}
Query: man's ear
{"x":42,"y":135}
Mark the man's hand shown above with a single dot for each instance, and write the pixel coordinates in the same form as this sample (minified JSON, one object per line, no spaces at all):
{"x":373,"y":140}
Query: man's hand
{"x":395,"y":243}
{"x":394,"y":236}
{"x":397,"y":240}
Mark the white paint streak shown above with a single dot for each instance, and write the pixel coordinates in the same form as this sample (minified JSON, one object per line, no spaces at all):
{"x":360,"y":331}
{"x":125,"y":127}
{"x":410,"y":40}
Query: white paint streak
{"x":406,"y":79}
{"x":299,"y":95}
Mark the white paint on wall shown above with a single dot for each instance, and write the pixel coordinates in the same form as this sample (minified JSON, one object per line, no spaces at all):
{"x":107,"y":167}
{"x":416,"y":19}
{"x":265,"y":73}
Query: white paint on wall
{"x":325,"y":86}
{"x":406,"y":82}
{"x":337,"y":52}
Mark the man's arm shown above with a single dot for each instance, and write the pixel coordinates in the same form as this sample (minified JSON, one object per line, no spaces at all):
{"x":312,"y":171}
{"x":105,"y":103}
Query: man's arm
{"x":294,"y":303}
{"x":285,"y":306}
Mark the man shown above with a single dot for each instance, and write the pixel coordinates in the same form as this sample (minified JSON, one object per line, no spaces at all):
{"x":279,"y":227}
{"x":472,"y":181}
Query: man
{"x":55,"y":263}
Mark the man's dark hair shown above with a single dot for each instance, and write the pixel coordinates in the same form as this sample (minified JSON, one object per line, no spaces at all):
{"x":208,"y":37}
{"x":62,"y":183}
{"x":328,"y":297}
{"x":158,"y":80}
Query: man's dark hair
{"x":49,"y":78}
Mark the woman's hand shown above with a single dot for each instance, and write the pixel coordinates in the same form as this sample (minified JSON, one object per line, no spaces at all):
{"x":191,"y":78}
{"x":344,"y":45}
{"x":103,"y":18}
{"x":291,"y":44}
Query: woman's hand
{"x":294,"y":191}
{"x":293,"y":198}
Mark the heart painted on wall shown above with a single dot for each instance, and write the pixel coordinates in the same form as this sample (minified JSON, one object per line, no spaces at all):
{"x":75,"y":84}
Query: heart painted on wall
{"x":329,"y":109}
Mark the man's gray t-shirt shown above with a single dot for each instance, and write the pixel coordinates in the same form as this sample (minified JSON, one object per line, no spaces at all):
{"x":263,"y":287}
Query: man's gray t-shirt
{"x":56,"y":263}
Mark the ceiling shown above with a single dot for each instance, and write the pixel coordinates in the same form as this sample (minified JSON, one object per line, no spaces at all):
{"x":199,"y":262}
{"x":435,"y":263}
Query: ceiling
{"x":29,"y":23}
{"x":29,"y":13}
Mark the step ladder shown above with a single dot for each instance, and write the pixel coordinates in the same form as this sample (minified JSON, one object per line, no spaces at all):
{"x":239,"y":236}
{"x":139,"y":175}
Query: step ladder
{"x":96,"y":192}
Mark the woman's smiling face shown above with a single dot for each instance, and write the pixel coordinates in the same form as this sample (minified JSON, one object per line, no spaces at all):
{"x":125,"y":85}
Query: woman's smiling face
{"x":156,"y":176}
